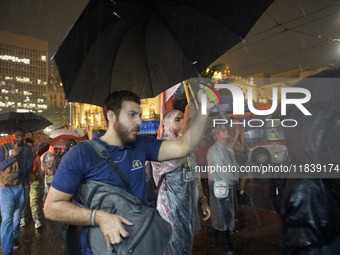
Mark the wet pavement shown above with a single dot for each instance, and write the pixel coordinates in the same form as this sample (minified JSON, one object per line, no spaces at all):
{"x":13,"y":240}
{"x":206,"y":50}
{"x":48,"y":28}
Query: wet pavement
{"x":259,"y":235}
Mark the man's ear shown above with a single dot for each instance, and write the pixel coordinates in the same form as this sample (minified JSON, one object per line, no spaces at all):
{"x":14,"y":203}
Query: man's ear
{"x":111,"y":116}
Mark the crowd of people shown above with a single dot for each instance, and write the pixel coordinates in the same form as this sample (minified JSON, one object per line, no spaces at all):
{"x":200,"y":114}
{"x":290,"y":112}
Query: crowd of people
{"x":27,"y":170}
{"x":173,"y":163}
{"x":180,"y":193}
{"x":52,"y":175}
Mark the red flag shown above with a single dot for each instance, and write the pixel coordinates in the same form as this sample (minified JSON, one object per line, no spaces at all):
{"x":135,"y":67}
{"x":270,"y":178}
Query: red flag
{"x":169,"y":105}
{"x":169,"y":97}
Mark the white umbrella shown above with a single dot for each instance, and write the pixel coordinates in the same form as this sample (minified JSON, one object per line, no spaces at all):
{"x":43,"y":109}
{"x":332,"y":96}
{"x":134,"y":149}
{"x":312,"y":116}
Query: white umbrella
{"x":59,"y":132}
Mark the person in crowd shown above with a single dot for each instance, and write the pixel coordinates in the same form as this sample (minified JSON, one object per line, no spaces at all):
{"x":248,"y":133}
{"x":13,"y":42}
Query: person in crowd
{"x":241,"y":149}
{"x":201,"y":158}
{"x":222,"y":186}
{"x":36,"y":181}
{"x":181,"y":191}
{"x":48,"y":166}
{"x":69,"y":144}
{"x":309,"y":206}
{"x":16,"y":162}
{"x":123,"y":114}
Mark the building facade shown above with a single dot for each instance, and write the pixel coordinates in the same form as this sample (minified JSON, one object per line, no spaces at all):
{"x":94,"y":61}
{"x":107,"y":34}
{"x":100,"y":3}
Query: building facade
{"x":23,"y":73}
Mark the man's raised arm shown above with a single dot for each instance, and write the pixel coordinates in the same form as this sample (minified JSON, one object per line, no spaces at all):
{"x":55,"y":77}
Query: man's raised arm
{"x":182,"y":147}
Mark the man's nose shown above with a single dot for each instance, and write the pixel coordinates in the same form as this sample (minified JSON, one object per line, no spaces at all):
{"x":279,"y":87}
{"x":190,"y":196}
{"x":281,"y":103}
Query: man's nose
{"x":139,"y":121}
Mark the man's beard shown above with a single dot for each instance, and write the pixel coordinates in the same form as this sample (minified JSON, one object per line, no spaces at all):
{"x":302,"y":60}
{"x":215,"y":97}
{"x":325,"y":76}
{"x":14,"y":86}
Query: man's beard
{"x":124,"y":132}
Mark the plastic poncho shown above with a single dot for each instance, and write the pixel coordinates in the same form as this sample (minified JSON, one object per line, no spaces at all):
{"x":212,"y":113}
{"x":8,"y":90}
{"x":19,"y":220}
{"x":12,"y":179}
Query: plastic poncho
{"x":222,"y":209}
{"x":47,"y":166}
{"x":177,"y":200}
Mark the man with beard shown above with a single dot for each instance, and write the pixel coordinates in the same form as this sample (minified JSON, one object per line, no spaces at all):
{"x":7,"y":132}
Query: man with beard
{"x":128,"y":150}
{"x":16,"y":162}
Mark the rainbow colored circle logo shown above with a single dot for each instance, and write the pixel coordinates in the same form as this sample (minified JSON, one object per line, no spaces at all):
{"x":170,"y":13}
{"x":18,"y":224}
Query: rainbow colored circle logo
{"x":210,"y":94}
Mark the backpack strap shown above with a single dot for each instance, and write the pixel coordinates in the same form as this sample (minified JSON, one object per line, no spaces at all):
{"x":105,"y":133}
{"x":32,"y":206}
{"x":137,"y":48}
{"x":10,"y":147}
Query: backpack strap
{"x":102,"y":152}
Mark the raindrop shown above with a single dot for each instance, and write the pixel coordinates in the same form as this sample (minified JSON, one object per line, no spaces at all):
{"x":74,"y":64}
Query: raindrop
{"x":303,"y":11}
{"x":116,"y":14}
{"x":303,"y":43}
{"x":244,"y":44}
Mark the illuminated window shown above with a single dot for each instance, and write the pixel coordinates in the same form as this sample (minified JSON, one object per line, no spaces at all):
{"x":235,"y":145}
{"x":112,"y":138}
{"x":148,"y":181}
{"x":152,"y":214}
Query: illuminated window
{"x":22,"y":110}
{"x":15,"y":59}
{"x":43,"y":58}
{"x":22,"y":79}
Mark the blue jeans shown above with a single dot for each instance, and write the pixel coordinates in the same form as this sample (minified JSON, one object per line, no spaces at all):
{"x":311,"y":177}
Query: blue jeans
{"x":12,"y":201}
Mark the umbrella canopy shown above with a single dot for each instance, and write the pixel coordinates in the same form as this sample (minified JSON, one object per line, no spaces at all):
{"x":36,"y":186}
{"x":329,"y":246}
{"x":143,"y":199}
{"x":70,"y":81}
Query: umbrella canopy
{"x":59,"y":132}
{"x":148,"y":46}
{"x":60,"y":141}
{"x":29,"y":122}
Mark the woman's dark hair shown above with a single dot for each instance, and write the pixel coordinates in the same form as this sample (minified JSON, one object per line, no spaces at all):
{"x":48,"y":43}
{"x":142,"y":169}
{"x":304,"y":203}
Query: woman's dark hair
{"x":115,"y":100}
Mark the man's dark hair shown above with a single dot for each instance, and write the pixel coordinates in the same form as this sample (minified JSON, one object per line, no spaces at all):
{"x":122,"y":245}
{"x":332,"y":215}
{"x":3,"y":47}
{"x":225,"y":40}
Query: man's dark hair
{"x":115,"y":100}
{"x":28,"y":140}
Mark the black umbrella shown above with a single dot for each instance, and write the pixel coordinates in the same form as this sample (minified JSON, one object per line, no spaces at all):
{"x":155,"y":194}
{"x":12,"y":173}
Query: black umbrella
{"x":29,"y":122}
{"x":148,"y":46}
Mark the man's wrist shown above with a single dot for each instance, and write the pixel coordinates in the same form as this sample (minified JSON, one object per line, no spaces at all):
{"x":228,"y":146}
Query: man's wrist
{"x":92,"y":217}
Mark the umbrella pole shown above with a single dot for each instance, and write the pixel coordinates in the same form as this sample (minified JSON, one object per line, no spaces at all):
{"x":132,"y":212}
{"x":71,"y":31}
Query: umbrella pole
{"x":70,"y":115}
{"x":161,"y":115}
{"x":193,"y":96}
{"x":187,"y":94}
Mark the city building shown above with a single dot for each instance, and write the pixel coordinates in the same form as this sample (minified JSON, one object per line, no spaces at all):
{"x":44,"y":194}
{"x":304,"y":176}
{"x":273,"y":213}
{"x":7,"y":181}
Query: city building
{"x":23,"y":73}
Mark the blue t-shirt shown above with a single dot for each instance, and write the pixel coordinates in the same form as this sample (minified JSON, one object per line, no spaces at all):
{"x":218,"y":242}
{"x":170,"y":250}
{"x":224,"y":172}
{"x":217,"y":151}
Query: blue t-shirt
{"x":81,"y":162}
